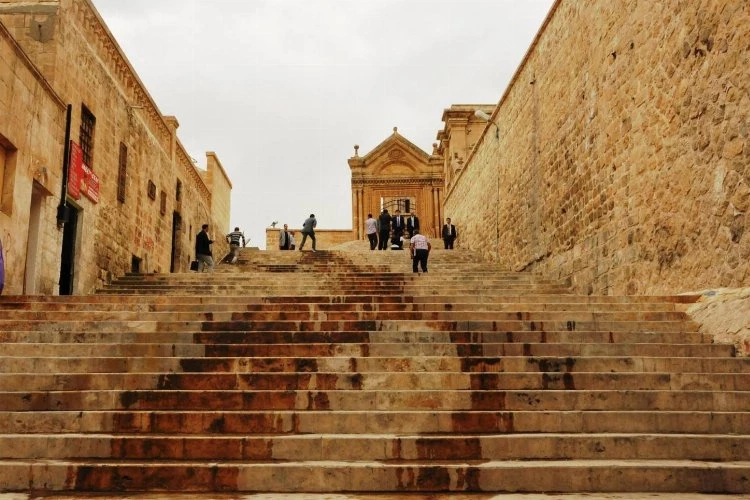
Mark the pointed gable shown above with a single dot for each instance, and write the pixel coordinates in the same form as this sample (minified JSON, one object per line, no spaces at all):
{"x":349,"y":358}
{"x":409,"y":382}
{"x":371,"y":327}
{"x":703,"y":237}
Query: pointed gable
{"x":395,"y":156}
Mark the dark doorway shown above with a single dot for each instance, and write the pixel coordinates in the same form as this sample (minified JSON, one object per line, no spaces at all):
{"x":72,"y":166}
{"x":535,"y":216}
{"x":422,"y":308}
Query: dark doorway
{"x":135,"y":265}
{"x":176,"y":225}
{"x":67,"y":261}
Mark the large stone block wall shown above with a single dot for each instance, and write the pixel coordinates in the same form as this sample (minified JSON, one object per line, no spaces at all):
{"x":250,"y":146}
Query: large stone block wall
{"x":32,"y":125}
{"x":623,"y":162}
{"x":86,"y":67}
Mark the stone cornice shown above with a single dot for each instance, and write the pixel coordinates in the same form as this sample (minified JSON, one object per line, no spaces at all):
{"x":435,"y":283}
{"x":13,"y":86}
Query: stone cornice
{"x":111,"y":56}
{"x":417,"y":181}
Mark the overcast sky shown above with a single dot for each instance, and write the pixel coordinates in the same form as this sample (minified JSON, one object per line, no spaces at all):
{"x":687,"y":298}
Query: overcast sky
{"x":281,"y":90}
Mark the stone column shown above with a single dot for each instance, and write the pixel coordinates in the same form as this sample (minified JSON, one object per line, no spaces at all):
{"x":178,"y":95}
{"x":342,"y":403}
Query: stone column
{"x":355,"y":213}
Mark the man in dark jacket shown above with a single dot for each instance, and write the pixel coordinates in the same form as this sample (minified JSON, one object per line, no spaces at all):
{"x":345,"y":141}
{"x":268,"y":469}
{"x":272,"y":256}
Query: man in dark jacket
{"x":308,"y":229}
{"x":412,"y":224}
{"x":203,"y":250}
{"x":384,"y":229}
{"x":449,"y":234}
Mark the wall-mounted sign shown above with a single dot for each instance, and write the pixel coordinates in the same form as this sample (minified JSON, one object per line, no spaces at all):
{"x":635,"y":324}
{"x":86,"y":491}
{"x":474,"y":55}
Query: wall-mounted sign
{"x":81,"y":179}
{"x":90,"y":184}
{"x":75,"y":171}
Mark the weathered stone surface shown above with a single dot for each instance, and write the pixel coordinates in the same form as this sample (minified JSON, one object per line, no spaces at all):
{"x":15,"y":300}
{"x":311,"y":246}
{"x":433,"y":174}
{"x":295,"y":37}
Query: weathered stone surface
{"x":59,"y":52}
{"x":622,"y":166}
{"x":725,"y":314}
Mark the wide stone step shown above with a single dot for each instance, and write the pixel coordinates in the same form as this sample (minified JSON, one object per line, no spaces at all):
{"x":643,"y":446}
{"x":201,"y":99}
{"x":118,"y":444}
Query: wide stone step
{"x":40,"y":310}
{"x":127,"y":336}
{"x":242,"y":365}
{"x":376,"y":380}
{"x":243,"y":400}
{"x":373,"y":349}
{"x":291,"y":315}
{"x":378,"y":447}
{"x":424,"y":422}
{"x":397,"y":476}
{"x":335,"y":298}
{"x":250,"y":326}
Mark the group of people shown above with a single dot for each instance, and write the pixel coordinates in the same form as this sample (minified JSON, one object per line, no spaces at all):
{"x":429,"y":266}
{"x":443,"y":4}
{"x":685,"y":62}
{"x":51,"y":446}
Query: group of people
{"x":286,"y":237}
{"x":392,"y":228}
{"x":379,"y":232}
{"x":204,"y":259}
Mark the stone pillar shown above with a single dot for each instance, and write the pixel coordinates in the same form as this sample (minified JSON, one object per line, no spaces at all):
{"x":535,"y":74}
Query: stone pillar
{"x":355,"y":213}
{"x":436,"y":212}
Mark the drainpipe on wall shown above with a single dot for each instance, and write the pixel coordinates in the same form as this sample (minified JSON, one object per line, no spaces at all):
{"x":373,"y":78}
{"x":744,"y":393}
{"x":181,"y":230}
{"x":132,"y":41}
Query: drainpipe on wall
{"x":62,"y":208}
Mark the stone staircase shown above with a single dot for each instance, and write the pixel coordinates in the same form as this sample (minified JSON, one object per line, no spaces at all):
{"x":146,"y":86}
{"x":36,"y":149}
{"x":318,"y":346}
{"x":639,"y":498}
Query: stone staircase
{"x":343,"y":371}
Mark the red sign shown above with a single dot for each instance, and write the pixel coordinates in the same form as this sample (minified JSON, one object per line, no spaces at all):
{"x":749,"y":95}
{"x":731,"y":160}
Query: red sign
{"x":90,"y":184}
{"x":75,"y":171}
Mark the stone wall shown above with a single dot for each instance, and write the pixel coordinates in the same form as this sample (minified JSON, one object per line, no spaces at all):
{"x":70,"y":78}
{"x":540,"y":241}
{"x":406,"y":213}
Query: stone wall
{"x":623,"y":162}
{"x":84,"y":64}
{"x":32,"y":126}
{"x":324,"y":238}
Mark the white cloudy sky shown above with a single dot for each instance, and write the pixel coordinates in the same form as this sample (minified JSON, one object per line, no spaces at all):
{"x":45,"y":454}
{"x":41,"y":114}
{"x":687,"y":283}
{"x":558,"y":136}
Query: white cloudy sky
{"x":281,"y":90}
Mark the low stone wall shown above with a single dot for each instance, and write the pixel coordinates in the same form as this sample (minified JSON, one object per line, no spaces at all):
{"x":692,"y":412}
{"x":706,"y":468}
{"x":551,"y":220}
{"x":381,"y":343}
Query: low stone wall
{"x":324,"y":238}
{"x":725,"y":314}
{"x":622,"y":163}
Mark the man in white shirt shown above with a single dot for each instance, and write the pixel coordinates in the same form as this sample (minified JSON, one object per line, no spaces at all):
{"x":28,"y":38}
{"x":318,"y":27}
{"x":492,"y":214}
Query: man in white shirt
{"x":420,"y":249}
{"x":371,"y":229}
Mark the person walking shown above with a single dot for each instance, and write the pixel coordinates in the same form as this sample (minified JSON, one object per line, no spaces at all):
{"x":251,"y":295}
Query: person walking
{"x":371,"y":229}
{"x":449,"y":234}
{"x":285,"y":239}
{"x":234,"y":239}
{"x":399,"y":224}
{"x":203,"y":250}
{"x":420,"y":249}
{"x":308,"y":229}
{"x":384,"y":229}
{"x":412,"y":223}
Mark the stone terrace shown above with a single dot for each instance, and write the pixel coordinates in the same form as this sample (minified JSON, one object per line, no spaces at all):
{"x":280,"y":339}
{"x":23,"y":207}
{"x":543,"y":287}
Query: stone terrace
{"x":343,"y":371}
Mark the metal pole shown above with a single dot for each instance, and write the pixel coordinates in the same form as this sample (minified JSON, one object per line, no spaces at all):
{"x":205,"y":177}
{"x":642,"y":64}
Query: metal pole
{"x":62,"y":208}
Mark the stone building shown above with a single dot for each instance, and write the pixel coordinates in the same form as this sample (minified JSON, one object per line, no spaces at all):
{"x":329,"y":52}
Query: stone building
{"x":622,"y":162}
{"x":134,"y":197}
{"x":397,"y":175}
{"x":460,"y":134}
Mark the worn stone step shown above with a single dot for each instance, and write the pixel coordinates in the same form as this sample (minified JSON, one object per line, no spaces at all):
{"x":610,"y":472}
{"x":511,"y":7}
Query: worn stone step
{"x":570,"y":318}
{"x":397,"y":476}
{"x":338,"y":325}
{"x":378,"y":447}
{"x":128,"y":336}
{"x":425,"y":422}
{"x":444,"y":380}
{"x":377,"y":399}
{"x":30,"y":310}
{"x":369,"y":349}
{"x":567,"y":364}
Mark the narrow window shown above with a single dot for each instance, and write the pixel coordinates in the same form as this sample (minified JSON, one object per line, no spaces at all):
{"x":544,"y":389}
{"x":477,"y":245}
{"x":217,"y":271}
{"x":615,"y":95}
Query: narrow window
{"x":151,"y":190}
{"x":122,"y":173}
{"x":178,"y":191}
{"x":163,"y":202}
{"x":86,"y":137}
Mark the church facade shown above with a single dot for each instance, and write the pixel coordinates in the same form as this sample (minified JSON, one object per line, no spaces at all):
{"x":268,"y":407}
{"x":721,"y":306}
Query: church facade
{"x":397,"y":175}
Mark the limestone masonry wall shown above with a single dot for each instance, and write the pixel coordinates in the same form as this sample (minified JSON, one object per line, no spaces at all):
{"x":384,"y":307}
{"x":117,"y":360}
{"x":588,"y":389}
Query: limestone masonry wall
{"x":165,"y":199}
{"x":623,"y":162}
